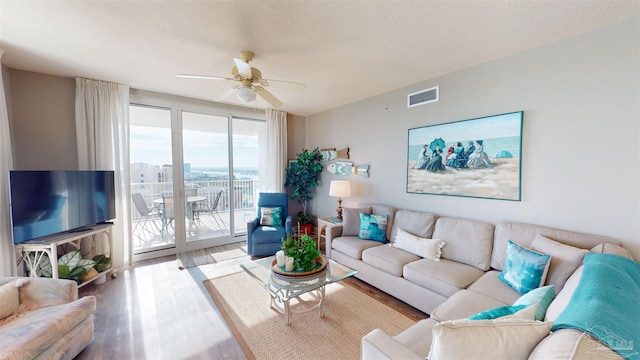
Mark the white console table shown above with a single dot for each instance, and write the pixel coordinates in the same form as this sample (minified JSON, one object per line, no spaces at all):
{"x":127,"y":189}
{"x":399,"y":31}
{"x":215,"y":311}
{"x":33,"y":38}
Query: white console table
{"x":49,"y":245}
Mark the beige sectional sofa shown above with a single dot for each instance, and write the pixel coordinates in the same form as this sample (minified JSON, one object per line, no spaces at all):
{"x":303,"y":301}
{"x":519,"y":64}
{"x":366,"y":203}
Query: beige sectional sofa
{"x":42,"y":318}
{"x":465,"y":279}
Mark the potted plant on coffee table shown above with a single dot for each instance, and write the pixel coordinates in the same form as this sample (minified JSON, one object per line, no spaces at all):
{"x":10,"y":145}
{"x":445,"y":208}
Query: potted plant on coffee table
{"x":302,"y":176}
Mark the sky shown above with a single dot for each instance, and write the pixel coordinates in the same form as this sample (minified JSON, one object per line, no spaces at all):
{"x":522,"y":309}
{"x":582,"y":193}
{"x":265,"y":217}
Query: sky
{"x":498,"y":126}
{"x":152,"y":145}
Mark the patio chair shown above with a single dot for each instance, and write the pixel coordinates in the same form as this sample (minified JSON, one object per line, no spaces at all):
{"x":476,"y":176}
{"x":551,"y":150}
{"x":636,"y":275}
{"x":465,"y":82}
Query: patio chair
{"x":168,"y":213}
{"x":146,"y":215}
{"x":210,"y":208}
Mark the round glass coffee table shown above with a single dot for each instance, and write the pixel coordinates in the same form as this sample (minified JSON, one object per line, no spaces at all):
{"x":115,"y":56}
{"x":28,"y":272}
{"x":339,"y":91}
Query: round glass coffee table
{"x":283,"y":288}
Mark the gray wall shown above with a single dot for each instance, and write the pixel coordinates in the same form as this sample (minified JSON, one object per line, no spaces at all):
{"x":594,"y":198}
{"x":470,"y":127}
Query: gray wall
{"x":42,"y":121}
{"x":581,"y":135}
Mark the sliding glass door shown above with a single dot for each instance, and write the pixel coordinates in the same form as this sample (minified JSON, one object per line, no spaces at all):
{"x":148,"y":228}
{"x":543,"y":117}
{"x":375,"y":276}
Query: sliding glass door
{"x":194,"y":178}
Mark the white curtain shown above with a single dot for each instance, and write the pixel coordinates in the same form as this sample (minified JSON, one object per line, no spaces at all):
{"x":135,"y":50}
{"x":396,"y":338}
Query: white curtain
{"x":102,"y":133}
{"x":7,"y":251}
{"x":277,"y":149}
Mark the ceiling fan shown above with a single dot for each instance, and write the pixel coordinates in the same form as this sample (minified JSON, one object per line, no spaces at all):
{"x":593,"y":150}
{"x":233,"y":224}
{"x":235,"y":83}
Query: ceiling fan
{"x":250,"y":81}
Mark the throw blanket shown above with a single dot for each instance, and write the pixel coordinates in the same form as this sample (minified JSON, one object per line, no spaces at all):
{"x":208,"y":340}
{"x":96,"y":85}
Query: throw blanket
{"x":606,"y":303}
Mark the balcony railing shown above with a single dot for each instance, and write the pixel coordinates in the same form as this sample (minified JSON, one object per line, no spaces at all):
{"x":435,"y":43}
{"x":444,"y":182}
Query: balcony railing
{"x":244,"y":193}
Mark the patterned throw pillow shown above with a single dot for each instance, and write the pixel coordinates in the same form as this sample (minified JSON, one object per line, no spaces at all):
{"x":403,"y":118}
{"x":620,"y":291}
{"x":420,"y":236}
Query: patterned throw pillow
{"x":524,"y":269}
{"x":271,"y":216}
{"x":373,"y":227}
{"x":497,"y":312}
{"x":541,"y":297}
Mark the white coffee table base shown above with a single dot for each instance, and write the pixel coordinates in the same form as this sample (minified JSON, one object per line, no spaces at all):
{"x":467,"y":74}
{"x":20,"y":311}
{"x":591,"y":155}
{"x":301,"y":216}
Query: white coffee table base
{"x":287,"y":309}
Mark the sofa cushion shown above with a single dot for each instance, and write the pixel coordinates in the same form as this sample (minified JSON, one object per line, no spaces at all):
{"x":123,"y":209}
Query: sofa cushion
{"x":524,"y":269}
{"x":463,"y":304}
{"x":444,"y":277}
{"x":352,"y":246}
{"x":541,"y":297}
{"x":34,"y":331}
{"x":609,"y":248}
{"x":468,"y":242}
{"x":351,"y":220}
{"x":565,"y":259}
{"x":570,"y":344}
{"x":373,"y":227}
{"x":388,"y":259}
{"x":524,"y":234}
{"x":487,"y":339}
{"x":427,"y":248}
{"x":415,"y":222}
{"x":489,"y":285}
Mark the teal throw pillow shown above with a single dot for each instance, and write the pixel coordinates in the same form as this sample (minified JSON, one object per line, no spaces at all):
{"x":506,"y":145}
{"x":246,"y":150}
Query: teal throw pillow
{"x":271,"y":216}
{"x":542,"y":297}
{"x":495,"y":313}
{"x":373,"y":227}
{"x":524,"y":269}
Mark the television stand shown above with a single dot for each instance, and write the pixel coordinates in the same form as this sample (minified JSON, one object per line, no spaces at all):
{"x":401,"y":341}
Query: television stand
{"x":49,"y":246}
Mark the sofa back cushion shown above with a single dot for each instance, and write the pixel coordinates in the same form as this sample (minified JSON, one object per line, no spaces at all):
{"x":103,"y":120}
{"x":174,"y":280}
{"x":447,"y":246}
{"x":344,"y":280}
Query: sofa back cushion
{"x":415,"y":222}
{"x":351,"y":220}
{"x":378,"y":209}
{"x":523,"y":235}
{"x":468,"y":241}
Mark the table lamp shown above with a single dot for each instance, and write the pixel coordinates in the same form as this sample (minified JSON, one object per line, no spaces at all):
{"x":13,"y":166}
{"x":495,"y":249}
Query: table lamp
{"x":340,"y":188}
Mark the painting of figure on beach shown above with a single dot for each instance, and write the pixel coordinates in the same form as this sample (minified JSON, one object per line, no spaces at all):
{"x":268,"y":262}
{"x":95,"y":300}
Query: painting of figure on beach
{"x":474,"y":158}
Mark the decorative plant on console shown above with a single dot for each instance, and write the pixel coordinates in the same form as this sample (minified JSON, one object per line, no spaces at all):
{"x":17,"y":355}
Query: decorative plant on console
{"x":303,"y":176}
{"x":304,"y":251}
{"x":72,"y":266}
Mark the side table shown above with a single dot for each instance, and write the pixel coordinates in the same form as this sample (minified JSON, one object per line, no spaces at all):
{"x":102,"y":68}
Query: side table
{"x":322,"y":224}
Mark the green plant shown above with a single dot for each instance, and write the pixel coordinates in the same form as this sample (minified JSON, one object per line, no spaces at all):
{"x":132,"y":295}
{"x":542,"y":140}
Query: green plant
{"x":304,"y":218}
{"x":303,"y":251}
{"x":303,"y":177}
{"x":102,"y":263}
{"x":72,"y":266}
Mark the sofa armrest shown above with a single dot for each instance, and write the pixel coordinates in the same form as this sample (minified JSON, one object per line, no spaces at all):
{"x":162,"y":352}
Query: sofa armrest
{"x":379,"y":345}
{"x":331,"y":232}
{"x":42,"y":292}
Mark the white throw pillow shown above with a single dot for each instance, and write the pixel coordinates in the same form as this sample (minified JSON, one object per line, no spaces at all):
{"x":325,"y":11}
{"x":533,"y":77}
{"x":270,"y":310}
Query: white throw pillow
{"x":427,"y":248}
{"x":10,"y":298}
{"x":487,"y":339}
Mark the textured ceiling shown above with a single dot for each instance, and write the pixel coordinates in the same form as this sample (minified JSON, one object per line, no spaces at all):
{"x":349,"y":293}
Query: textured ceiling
{"x":343,"y":51}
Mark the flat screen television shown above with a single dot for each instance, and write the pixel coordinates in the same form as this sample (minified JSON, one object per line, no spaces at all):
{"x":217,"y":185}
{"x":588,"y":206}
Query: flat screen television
{"x":44,"y":203}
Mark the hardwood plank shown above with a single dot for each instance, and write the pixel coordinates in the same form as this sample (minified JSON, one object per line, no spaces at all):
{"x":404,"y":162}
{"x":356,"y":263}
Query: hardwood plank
{"x":155,"y":311}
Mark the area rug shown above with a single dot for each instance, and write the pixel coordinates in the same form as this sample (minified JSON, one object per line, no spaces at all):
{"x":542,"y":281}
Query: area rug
{"x":349,"y":314}
{"x":211,"y":255}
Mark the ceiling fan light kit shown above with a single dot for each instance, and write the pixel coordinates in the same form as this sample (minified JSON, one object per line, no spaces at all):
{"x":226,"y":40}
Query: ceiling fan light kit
{"x":251,"y":81}
{"x":245,"y":93}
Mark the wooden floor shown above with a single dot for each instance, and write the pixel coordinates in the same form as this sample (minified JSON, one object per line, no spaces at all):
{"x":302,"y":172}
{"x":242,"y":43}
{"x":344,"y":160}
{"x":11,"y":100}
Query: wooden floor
{"x":155,"y":311}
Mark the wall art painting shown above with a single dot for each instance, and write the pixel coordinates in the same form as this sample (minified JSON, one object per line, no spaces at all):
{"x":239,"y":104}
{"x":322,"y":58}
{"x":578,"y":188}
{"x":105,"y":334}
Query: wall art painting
{"x":474,"y":158}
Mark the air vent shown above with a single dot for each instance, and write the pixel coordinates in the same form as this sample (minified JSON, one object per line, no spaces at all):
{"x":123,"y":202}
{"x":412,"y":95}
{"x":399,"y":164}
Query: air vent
{"x":423,"y":97}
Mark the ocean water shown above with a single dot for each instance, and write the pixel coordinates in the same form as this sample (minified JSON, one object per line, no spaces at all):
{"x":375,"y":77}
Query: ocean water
{"x":491,"y":147}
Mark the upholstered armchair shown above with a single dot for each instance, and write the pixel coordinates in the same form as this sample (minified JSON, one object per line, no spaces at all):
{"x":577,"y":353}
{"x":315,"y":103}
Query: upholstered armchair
{"x":272,"y":224}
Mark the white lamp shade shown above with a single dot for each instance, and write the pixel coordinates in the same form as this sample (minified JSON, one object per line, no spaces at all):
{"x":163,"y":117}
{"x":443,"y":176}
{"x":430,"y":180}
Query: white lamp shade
{"x":246,"y":93}
{"x":340,"y":188}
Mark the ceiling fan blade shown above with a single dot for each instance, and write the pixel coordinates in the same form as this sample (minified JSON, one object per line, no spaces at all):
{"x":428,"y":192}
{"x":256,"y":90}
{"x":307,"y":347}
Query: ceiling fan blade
{"x":243,"y":68}
{"x":284,"y":84}
{"x":202,"y":77}
{"x":267,"y":96}
{"x":227,"y":93}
